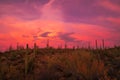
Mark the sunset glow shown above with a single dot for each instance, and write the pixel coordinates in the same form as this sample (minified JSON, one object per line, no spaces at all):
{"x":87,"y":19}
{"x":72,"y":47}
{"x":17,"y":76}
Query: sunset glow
{"x":75,"y":22}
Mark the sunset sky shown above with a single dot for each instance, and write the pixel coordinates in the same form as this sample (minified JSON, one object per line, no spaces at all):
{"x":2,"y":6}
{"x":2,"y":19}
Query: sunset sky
{"x":75,"y":22}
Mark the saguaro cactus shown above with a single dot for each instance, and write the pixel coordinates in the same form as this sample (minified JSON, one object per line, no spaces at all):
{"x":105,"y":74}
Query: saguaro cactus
{"x":47,"y":45}
{"x":26,"y":59}
{"x":74,"y":48}
{"x":35,"y":49}
{"x":65,"y":45}
{"x":103,"y":44}
{"x":96,"y":44}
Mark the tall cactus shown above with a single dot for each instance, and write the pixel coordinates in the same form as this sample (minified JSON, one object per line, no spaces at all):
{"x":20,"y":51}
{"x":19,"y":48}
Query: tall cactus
{"x":73,"y":47}
{"x":103,"y":44}
{"x":35,"y":49}
{"x":33,"y":59}
{"x":47,"y":45}
{"x":26,"y":59}
{"x":96,"y":44}
{"x":65,"y":45}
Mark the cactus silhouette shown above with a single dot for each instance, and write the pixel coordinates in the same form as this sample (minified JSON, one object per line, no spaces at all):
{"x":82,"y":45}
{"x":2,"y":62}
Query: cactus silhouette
{"x":26,"y":59}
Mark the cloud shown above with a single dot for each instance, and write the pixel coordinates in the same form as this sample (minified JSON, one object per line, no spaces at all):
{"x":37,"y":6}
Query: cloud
{"x":60,"y":21}
{"x":22,"y":11}
{"x":77,"y":9}
{"x":27,"y":2}
{"x":11,"y":1}
{"x":66,"y":37}
{"x":91,"y":31}
{"x":37,"y":2}
{"x":48,"y":12}
{"x":114,"y":20}
{"x":109,"y":5}
{"x":83,"y":11}
{"x":45,"y":34}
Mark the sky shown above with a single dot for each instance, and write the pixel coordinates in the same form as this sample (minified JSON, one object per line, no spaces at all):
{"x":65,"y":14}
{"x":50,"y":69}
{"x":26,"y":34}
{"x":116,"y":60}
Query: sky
{"x":74,"y":22}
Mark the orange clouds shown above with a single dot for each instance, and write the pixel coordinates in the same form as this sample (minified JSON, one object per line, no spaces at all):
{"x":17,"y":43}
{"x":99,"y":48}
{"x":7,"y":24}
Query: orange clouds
{"x":16,"y":28}
{"x":58,"y":20}
{"x":59,"y":31}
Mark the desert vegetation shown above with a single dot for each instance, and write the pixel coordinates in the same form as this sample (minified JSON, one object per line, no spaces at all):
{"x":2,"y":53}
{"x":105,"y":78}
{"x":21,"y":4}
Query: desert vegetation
{"x":60,"y":64}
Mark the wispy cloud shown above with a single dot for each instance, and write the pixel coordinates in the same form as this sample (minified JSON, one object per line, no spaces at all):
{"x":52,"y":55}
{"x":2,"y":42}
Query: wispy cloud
{"x":114,"y":20}
{"x":109,"y":5}
{"x":51,"y":13}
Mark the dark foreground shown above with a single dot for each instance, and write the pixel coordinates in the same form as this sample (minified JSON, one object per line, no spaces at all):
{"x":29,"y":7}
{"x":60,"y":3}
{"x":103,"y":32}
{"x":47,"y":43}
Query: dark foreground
{"x":60,"y":64}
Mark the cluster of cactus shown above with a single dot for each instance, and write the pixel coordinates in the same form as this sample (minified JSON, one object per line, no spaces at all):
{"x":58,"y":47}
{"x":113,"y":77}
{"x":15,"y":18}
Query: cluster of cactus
{"x":29,"y":60}
{"x":87,"y":63}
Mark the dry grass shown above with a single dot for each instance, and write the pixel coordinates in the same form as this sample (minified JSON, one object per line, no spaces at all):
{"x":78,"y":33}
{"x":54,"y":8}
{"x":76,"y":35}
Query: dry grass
{"x":79,"y":64}
{"x":60,"y":64}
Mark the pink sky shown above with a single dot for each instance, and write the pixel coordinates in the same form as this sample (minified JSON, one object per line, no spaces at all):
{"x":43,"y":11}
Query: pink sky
{"x":75,"y":22}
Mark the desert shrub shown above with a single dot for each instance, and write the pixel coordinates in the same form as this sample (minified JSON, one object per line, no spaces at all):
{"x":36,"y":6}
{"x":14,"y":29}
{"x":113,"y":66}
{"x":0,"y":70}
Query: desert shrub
{"x":29,"y":63}
{"x":79,"y":65}
{"x":4,"y":70}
